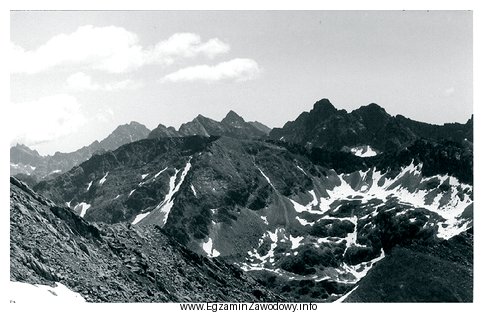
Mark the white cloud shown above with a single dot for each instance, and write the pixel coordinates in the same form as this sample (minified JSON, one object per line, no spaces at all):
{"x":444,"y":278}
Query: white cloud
{"x":45,"y":119}
{"x":111,"y":49}
{"x":127,"y":84}
{"x":81,"y":81}
{"x":236,"y":69}
{"x":187,"y":45}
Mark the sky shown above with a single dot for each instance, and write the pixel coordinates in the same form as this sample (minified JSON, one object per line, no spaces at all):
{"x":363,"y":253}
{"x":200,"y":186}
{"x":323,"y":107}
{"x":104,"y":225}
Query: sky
{"x":76,"y":75}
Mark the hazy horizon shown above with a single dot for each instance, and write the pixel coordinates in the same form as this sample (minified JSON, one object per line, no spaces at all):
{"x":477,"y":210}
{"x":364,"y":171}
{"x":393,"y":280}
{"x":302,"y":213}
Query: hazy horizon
{"x":77,"y":75}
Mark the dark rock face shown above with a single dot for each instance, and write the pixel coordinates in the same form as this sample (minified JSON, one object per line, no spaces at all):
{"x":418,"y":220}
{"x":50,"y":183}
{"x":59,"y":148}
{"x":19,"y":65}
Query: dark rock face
{"x":23,"y":160}
{"x":114,"y":263}
{"x":326,"y":127}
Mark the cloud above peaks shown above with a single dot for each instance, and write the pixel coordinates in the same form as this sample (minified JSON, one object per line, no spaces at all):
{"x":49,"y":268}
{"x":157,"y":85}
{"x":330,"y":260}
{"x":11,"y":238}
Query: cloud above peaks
{"x":110,"y":49}
{"x":82,"y":82}
{"x":188,"y":45}
{"x":45,"y":119}
{"x":235,"y":70}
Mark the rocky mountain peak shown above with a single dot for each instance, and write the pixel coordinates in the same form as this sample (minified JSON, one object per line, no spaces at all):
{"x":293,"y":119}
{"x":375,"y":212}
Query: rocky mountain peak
{"x":163,"y":131}
{"x":233,"y":118}
{"x":372,"y":108}
{"x":324,"y":106}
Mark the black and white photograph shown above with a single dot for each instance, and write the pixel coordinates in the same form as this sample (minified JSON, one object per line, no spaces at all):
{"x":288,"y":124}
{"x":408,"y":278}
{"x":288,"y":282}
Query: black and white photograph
{"x":237,"y":159}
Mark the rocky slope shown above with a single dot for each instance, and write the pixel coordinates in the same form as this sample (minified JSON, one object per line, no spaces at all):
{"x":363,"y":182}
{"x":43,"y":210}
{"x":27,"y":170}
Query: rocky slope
{"x":24,"y":160}
{"x":50,"y":244}
{"x":232,"y":125}
{"x":421,"y":273}
{"x":307,"y":222}
{"x":326,"y":127}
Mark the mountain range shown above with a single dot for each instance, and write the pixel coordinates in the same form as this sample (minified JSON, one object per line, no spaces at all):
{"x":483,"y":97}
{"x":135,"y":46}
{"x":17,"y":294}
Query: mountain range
{"x":232,"y":125}
{"x":24,"y":160}
{"x":32,"y":167}
{"x":322,"y":209}
{"x":326,"y":127}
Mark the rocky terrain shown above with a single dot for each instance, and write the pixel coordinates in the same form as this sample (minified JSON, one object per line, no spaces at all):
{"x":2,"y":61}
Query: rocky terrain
{"x":320,"y":215}
{"x":114,"y":263}
{"x":279,"y":215}
{"x":28,"y":162}
{"x":421,"y":273}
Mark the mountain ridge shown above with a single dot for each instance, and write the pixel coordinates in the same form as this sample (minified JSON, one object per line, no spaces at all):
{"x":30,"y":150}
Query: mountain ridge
{"x":333,"y":129}
{"x":232,"y":125}
{"x":24,"y":160}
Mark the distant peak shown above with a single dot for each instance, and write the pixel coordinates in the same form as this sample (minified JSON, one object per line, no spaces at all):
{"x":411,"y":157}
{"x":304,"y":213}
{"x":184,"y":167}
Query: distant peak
{"x":324,"y":106}
{"x":21,"y":145}
{"x":232,"y":113}
{"x":373,"y":109}
{"x":374,"y":106}
{"x":232,"y":117}
{"x":161,"y":126}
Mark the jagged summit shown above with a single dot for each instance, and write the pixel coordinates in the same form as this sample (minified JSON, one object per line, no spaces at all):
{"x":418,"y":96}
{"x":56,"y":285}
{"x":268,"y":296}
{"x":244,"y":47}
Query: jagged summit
{"x":232,"y":118}
{"x":372,"y":107}
{"x":232,"y":125}
{"x":325,"y":126}
{"x":324,"y":106}
{"x":163,"y":131}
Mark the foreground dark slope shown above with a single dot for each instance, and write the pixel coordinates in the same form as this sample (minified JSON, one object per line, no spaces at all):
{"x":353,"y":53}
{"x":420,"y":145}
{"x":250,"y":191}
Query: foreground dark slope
{"x":114,"y":263}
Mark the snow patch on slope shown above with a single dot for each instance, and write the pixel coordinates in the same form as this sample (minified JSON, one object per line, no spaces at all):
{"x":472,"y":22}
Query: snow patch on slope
{"x":139,"y":217}
{"x":407,"y":188}
{"x":209,"y":249}
{"x":20,"y":292}
{"x":193,"y":190}
{"x":103,"y":179}
{"x":363,"y":151}
{"x":158,"y":174}
{"x":83,"y":207}
{"x":265,"y":176}
{"x":166,"y":205}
